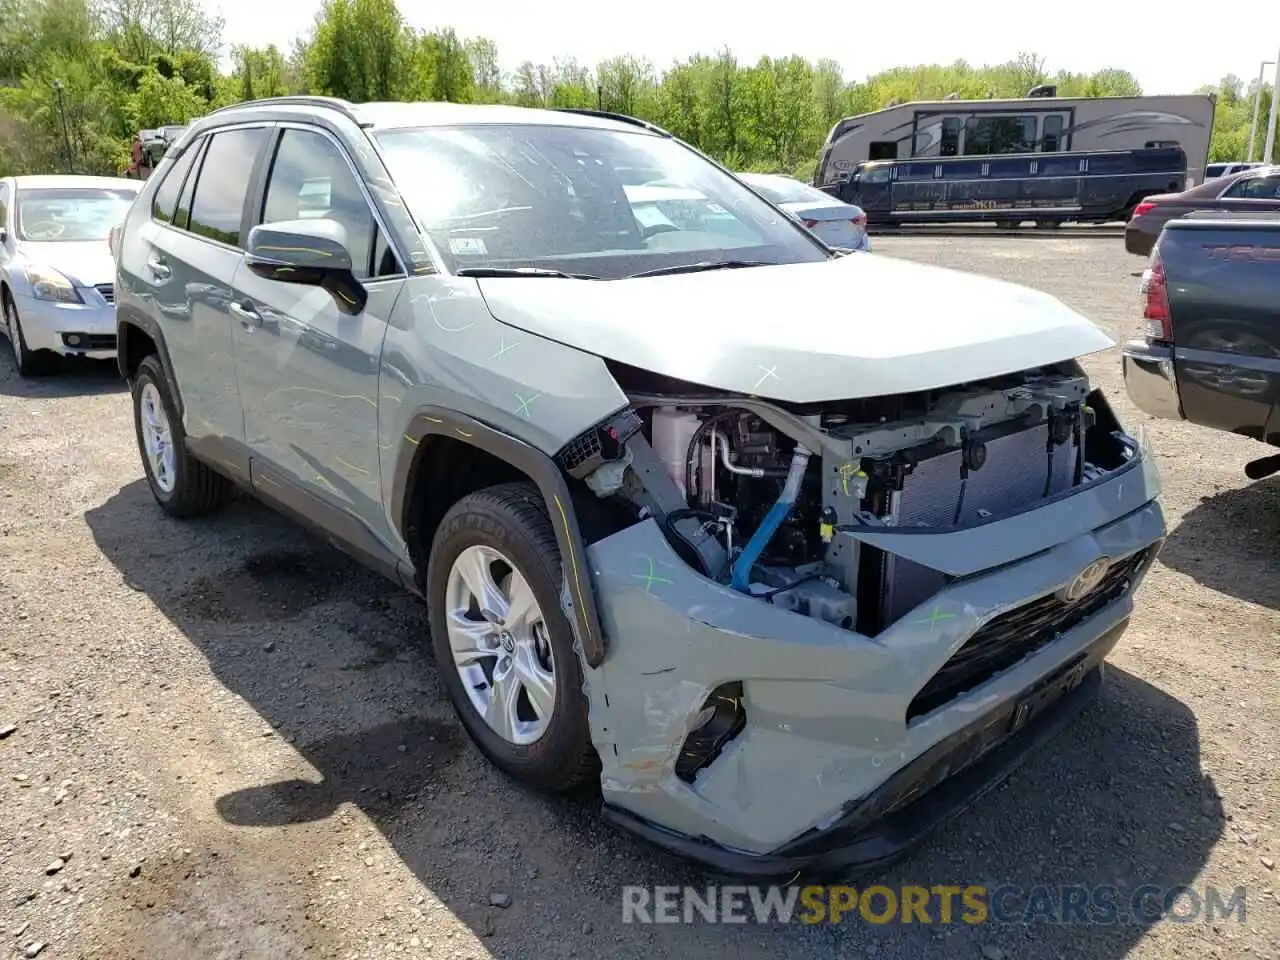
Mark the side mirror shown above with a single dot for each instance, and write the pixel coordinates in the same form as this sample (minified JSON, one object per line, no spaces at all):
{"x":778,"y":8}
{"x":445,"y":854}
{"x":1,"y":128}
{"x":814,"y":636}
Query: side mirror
{"x":310,"y":252}
{"x":4,"y":235}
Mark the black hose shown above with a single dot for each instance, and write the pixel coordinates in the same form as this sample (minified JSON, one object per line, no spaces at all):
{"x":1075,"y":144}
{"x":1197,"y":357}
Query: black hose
{"x":770,"y":594}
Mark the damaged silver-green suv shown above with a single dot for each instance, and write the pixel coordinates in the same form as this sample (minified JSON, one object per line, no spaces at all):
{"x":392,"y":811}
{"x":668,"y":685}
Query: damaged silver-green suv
{"x":794,"y":564}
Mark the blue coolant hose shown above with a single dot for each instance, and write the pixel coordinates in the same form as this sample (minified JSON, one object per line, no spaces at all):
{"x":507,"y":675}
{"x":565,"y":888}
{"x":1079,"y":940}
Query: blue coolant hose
{"x":740,"y":578}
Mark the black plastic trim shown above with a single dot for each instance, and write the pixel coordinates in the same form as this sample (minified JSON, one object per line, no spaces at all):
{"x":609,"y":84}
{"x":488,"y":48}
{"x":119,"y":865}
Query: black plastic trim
{"x":151,"y":328}
{"x":437,"y":421}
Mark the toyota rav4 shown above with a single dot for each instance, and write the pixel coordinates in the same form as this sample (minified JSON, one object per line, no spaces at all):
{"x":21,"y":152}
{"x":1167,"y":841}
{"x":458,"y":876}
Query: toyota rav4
{"x":794,"y":566}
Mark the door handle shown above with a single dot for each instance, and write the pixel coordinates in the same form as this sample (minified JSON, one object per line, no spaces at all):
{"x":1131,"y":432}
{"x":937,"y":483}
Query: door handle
{"x":159,"y":268}
{"x":250,"y":319}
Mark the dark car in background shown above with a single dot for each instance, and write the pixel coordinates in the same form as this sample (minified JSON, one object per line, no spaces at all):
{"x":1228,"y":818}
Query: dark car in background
{"x":1256,"y":190}
{"x":1210,"y":353}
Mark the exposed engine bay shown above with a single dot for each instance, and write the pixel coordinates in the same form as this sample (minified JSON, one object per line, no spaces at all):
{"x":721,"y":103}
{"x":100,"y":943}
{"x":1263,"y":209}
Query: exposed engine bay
{"x":764,"y":496}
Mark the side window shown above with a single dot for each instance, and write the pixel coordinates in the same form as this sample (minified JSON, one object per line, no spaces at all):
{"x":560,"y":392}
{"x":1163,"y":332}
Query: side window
{"x":182,"y":215}
{"x":166,"y":196}
{"x":950,"y":144}
{"x":4,"y":205}
{"x":310,"y":177}
{"x":1255,"y":188}
{"x":218,"y":205}
{"x":993,"y":135}
{"x":1242,"y":189}
{"x":1051,"y":142}
{"x":882,"y":150}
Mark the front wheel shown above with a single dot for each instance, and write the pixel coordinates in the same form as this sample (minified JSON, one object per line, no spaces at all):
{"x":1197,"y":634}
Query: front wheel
{"x":503,"y":645}
{"x":26,"y":360}
{"x":181,"y":484}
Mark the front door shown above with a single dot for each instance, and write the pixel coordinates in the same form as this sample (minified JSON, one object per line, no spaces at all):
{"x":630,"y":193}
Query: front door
{"x":308,"y":372}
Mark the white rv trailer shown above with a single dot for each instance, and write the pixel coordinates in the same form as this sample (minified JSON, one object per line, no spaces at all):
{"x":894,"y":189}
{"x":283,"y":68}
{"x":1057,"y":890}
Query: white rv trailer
{"x":1032,"y":124}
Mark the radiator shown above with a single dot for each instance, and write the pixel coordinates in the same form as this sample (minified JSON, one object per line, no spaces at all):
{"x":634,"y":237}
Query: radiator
{"x":1013,"y":476}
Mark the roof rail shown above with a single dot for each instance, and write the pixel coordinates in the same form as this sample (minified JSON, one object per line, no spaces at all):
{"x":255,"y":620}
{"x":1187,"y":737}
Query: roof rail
{"x":620,"y":117}
{"x":345,"y":107}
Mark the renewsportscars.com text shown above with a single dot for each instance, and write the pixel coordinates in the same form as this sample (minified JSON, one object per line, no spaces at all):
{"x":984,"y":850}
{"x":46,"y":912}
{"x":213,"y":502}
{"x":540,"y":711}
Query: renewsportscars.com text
{"x":938,"y":904}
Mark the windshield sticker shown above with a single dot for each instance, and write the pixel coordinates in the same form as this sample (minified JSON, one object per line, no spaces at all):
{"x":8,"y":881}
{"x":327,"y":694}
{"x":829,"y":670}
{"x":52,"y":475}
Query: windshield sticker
{"x":467,"y":247}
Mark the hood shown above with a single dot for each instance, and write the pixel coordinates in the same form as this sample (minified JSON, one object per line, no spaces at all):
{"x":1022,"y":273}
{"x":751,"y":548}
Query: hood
{"x":85,"y":264}
{"x":856,"y":326}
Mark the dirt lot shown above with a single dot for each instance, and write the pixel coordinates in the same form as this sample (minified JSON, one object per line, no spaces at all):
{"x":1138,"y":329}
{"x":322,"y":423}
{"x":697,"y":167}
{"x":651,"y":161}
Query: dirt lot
{"x":229,"y":735}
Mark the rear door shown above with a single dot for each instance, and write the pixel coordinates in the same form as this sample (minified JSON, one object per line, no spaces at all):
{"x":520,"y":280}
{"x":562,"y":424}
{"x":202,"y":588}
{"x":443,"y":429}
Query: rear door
{"x":308,"y":372}
{"x":181,"y":267}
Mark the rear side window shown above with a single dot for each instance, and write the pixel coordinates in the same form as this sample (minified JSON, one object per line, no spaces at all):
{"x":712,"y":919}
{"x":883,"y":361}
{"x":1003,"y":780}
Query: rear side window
{"x":1255,"y":188}
{"x":166,"y":197}
{"x":217,"y":208}
{"x":182,"y":216}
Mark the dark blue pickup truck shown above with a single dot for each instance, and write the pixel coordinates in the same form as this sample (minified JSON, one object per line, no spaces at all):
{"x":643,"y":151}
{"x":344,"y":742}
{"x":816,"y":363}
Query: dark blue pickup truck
{"x":1211,"y":354}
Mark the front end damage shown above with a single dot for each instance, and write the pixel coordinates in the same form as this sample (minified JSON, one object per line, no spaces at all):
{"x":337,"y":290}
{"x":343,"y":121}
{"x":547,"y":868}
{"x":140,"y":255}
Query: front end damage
{"x":830,"y":626}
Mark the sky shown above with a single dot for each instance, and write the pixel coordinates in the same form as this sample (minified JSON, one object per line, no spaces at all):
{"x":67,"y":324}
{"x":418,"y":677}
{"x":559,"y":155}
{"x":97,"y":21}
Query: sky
{"x":1162,"y":45}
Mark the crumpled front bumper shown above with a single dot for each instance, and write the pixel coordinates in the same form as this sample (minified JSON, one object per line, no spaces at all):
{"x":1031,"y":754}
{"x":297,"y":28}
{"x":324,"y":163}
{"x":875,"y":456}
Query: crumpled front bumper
{"x":828,"y":762}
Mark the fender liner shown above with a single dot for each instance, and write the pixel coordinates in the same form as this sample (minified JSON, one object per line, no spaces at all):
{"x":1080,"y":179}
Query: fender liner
{"x":437,"y":421}
{"x":152,"y":329}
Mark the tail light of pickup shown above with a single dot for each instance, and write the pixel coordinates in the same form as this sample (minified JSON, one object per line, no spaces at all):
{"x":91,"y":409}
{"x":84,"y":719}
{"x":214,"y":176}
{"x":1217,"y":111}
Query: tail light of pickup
{"x":1156,"y":322}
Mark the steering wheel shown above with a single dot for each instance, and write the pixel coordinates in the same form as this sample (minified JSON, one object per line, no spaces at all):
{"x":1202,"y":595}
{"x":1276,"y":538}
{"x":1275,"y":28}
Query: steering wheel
{"x":45,"y":230}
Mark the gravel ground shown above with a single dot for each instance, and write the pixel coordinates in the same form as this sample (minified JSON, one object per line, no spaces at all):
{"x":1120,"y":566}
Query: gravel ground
{"x":226,"y":742}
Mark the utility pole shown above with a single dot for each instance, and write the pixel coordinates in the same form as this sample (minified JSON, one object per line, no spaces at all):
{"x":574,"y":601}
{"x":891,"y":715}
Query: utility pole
{"x":66,"y":134}
{"x":1271,"y":124}
{"x":1257,"y":102}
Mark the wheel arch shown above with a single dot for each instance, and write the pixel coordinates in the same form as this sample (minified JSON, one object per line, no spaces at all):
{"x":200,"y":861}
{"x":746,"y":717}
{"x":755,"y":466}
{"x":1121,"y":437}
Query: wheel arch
{"x":429,"y":452}
{"x":138,"y":336}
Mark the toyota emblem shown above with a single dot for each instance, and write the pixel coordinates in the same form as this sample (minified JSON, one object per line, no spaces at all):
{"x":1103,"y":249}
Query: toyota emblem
{"x":1086,"y":580}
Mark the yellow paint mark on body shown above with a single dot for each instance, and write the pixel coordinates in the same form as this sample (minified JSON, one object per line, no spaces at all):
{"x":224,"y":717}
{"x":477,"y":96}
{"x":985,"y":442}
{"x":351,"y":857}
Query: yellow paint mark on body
{"x":573,"y":562}
{"x":351,"y":466}
{"x":323,"y":393}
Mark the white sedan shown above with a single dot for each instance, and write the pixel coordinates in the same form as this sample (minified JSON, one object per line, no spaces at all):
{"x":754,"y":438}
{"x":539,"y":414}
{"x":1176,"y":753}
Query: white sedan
{"x":56,"y":268}
{"x":834,"y":222}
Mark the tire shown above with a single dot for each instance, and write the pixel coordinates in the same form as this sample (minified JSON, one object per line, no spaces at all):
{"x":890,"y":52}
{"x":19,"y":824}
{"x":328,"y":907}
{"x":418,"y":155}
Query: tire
{"x":28,"y":362}
{"x":182,"y":485}
{"x":504,"y":528}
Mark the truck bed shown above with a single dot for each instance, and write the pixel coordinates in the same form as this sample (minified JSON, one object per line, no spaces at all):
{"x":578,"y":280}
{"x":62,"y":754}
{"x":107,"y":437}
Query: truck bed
{"x":1217,"y":361}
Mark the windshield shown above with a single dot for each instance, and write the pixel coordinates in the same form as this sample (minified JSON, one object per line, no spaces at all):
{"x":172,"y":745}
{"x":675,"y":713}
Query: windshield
{"x":71,"y":213}
{"x":604,"y":203}
{"x":785,"y":190}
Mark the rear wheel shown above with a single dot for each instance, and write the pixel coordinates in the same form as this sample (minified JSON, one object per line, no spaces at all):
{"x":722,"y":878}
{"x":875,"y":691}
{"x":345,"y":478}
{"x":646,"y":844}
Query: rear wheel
{"x":181,"y":484}
{"x":503,"y":645}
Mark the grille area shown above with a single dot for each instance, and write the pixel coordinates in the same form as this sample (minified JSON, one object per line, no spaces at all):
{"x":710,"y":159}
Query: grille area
{"x":1015,"y":634}
{"x":108,"y":292}
{"x":1012,"y":477}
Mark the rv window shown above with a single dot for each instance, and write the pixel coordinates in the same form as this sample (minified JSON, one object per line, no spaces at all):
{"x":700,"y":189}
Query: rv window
{"x":1051,"y":142}
{"x":986,"y":135}
{"x":882,"y":150}
{"x":950,"y":144}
